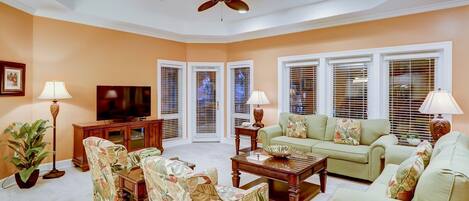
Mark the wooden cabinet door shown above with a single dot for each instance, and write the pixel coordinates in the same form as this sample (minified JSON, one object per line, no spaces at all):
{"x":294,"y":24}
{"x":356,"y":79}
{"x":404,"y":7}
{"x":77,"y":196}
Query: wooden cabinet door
{"x":138,"y":137}
{"x":117,"y":135}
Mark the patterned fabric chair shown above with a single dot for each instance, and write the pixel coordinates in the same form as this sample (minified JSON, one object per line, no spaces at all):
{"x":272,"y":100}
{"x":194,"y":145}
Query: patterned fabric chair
{"x":170,"y":180}
{"x":106,"y":159}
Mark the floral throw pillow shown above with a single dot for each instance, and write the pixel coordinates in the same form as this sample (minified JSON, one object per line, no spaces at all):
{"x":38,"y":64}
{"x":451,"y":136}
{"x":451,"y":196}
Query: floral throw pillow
{"x":403,"y":183}
{"x":296,"y":126}
{"x":347,"y":131}
{"x":424,"y":150}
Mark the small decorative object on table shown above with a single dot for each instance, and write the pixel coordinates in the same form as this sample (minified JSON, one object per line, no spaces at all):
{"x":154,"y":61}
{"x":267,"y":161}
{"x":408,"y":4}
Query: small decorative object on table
{"x":29,"y":150}
{"x":413,"y":139}
{"x":278,"y":151}
{"x":12,"y":78}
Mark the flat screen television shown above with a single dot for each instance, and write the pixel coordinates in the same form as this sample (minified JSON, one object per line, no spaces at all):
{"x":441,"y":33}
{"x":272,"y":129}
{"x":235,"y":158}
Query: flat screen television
{"x":123,"y":102}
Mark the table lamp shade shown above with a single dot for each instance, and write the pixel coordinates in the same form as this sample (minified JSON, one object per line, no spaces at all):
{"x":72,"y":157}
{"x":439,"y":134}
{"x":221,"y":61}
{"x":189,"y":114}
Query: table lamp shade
{"x":258,"y":98}
{"x":440,"y":102}
{"x":54,"y":90}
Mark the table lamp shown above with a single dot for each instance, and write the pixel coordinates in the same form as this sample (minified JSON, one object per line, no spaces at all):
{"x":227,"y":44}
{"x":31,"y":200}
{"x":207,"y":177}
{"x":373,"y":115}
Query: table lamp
{"x":54,"y":90}
{"x":258,"y":98}
{"x":440,"y":102}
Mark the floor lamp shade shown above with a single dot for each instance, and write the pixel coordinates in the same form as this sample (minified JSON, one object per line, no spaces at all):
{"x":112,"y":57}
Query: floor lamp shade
{"x":258,"y":98}
{"x":440,"y":102}
{"x":54,"y":90}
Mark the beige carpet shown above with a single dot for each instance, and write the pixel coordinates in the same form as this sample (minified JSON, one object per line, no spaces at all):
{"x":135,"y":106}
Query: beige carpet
{"x":76,"y":185}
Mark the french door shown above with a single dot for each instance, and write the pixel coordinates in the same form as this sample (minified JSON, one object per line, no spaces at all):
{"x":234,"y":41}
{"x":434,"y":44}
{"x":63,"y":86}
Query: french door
{"x":206,"y":101}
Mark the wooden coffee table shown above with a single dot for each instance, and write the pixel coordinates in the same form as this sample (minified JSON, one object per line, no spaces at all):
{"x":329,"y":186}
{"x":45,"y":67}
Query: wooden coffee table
{"x":133,"y":183}
{"x":286,"y":177}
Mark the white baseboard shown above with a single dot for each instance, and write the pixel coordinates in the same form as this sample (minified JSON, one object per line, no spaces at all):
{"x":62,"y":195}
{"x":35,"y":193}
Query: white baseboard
{"x":177,"y":142}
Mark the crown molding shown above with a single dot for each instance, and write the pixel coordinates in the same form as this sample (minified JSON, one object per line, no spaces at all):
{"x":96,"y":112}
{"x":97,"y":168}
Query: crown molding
{"x":299,"y":27}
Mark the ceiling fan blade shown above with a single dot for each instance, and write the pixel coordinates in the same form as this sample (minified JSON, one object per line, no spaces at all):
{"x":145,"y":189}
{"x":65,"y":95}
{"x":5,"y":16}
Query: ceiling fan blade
{"x":237,"y":5}
{"x":207,"y":5}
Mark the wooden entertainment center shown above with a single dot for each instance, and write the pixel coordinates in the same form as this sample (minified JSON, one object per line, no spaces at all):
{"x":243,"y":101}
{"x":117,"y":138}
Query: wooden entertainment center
{"x":134,"y":135}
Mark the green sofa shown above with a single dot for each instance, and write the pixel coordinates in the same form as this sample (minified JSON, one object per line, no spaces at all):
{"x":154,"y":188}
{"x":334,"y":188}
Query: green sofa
{"x":362,"y":161}
{"x":446,"y":178}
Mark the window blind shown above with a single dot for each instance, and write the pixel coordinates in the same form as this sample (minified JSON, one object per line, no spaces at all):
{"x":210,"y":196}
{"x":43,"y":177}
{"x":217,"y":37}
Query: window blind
{"x":303,"y":89}
{"x":409,"y":83}
{"x":240,"y":92}
{"x":170,"y":106}
{"x":350,"y":96}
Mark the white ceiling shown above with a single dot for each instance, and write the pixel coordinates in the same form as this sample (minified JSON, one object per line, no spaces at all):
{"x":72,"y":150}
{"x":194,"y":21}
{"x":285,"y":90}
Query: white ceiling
{"x":179,"y":20}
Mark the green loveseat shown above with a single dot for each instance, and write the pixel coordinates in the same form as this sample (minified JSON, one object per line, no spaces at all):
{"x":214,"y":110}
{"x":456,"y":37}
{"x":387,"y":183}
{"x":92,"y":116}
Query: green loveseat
{"x":446,"y":178}
{"x":362,"y":161}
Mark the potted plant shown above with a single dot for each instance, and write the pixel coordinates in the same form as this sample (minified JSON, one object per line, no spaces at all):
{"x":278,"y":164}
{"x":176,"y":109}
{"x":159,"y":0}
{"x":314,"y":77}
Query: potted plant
{"x":28,"y":150}
{"x":413,"y":139}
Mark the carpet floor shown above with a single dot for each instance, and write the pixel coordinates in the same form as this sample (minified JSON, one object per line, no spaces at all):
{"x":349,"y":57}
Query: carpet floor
{"x":77,"y":186}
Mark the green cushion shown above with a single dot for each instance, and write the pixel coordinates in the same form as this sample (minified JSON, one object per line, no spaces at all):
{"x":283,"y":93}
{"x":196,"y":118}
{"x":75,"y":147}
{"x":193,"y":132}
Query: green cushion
{"x":296,"y":143}
{"x":380,"y":185}
{"x":283,"y":121}
{"x":447,"y":175}
{"x":330,"y":128}
{"x":372,"y":129}
{"x":316,"y":125}
{"x":352,"y":153}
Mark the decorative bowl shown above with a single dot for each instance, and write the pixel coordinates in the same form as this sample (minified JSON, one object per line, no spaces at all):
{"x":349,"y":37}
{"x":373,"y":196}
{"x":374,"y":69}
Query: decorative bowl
{"x":413,"y":141}
{"x":278,"y":151}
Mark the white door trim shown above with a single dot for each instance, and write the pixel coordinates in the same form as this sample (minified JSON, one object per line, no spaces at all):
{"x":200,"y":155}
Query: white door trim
{"x":180,"y":65}
{"x":220,"y":68}
{"x":232,"y":65}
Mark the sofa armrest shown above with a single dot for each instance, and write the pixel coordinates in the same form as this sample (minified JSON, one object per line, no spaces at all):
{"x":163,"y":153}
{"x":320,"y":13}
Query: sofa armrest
{"x":136,"y":157}
{"x":348,"y":195}
{"x":377,"y":152}
{"x":267,"y":133}
{"x":260,"y":192}
{"x":397,"y":154}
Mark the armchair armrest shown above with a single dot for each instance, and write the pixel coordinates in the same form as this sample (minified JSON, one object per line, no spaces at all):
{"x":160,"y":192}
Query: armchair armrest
{"x":377,"y":152}
{"x":117,"y":157}
{"x":397,"y":153}
{"x":267,"y":133}
{"x":136,"y":157}
{"x":259,"y":192}
{"x":347,"y":195}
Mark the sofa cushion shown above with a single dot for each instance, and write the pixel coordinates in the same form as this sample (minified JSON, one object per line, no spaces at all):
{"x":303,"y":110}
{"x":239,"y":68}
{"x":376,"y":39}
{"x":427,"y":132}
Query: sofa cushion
{"x":380,"y":185}
{"x":347,"y":131}
{"x":316,"y":126}
{"x":402,"y":184}
{"x":296,"y":143}
{"x":447,"y":175}
{"x":296,"y":126}
{"x":330,"y":128}
{"x":352,"y":153}
{"x":283,"y":121}
{"x":372,"y":129}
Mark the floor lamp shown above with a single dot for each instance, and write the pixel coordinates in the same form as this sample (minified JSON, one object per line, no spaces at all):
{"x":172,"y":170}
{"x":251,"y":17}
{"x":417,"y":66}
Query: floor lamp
{"x":54,"y":91}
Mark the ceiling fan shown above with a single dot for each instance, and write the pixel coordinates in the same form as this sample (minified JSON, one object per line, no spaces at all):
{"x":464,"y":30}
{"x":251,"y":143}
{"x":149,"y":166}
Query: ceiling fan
{"x":237,"y":5}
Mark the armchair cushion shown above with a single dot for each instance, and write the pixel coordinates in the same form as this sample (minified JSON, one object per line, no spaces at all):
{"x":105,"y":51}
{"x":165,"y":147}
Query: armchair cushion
{"x":352,"y":153}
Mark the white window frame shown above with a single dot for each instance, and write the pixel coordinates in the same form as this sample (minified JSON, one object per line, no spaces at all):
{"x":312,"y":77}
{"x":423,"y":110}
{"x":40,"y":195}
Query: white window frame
{"x":229,"y":115}
{"x":378,"y":96}
{"x":179,"y":65}
{"x":221,"y":84}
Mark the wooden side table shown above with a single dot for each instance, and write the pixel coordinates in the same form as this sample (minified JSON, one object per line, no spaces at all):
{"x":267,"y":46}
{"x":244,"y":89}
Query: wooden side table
{"x":247,"y":131}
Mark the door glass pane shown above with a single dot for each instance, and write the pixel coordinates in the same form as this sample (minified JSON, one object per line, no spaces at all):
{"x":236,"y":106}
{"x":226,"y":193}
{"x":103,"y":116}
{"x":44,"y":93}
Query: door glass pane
{"x":171,"y":103}
{"x":116,"y":137}
{"x":241,"y":90}
{"x":206,"y":109}
{"x":137,"y":138}
{"x":303,"y":90}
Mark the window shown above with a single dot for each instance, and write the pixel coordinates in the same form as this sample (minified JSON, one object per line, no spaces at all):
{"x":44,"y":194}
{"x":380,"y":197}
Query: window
{"x":302,"y":87}
{"x":171,"y":98}
{"x":239,"y":93}
{"x":410,"y":80}
{"x":350,"y":81}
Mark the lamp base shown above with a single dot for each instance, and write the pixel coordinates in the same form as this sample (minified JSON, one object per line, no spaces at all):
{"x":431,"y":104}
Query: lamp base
{"x":258,"y":115}
{"x":439,"y":127}
{"x":54,"y":174}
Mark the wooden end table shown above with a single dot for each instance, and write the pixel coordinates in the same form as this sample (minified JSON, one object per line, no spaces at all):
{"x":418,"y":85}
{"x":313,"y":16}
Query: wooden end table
{"x":286,"y":177}
{"x":247,"y":131}
{"x":133,"y":183}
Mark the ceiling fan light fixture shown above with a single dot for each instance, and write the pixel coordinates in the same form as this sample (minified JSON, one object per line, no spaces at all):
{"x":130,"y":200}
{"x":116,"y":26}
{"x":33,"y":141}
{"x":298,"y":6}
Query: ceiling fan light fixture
{"x":242,"y":11}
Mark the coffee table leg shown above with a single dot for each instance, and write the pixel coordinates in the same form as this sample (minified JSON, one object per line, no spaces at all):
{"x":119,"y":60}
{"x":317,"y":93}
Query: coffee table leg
{"x":235,"y":179}
{"x":293,"y":188}
{"x":323,"y":180}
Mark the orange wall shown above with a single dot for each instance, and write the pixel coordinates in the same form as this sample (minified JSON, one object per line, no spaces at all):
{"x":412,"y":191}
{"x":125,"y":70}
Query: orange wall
{"x":16,"y":42}
{"x":443,"y":25}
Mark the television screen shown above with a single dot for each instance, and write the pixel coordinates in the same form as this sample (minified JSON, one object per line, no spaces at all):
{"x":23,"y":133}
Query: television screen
{"x":123,"y":102}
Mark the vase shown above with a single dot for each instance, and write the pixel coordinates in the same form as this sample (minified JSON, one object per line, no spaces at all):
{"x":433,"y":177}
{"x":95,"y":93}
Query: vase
{"x":30,"y":182}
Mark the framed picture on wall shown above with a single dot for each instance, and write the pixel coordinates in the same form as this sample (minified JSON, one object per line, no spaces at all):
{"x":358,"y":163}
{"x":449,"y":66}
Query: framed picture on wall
{"x":12,"y":78}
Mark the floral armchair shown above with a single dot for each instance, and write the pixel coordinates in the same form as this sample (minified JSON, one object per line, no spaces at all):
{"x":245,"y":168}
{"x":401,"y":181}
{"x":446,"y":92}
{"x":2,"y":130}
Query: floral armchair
{"x":172,"y":180}
{"x":106,"y":159}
